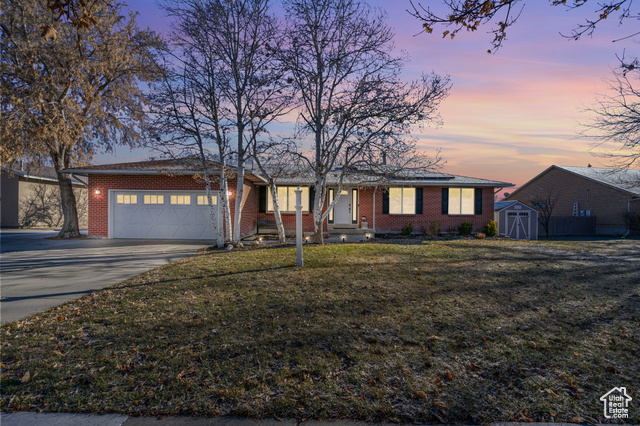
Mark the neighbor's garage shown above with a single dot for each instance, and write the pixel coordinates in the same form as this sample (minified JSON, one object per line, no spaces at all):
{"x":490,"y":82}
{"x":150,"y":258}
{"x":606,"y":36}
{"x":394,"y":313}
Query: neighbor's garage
{"x":160,"y":214}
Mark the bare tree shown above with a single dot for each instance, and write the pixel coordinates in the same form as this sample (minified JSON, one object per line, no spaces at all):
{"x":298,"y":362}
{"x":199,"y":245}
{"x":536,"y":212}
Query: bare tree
{"x":64,"y":97}
{"x":275,"y":160}
{"x":544,"y":201}
{"x":354,"y":105}
{"x":250,"y":84}
{"x":186,"y":125}
{"x":616,"y":120}
{"x":470,"y":15}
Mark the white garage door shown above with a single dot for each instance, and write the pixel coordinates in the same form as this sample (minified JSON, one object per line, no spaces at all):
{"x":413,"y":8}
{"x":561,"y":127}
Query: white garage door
{"x":160,"y":214}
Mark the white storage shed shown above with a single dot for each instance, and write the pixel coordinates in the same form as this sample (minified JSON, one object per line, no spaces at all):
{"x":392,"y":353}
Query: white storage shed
{"x":516,"y":220}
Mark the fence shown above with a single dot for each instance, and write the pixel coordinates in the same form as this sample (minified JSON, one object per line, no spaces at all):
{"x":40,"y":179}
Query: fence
{"x":570,"y":225}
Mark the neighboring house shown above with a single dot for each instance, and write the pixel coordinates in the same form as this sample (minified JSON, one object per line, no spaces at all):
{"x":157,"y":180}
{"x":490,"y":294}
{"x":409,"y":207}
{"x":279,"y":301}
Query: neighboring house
{"x":30,"y":197}
{"x":166,"y":199}
{"x":608,"y":194}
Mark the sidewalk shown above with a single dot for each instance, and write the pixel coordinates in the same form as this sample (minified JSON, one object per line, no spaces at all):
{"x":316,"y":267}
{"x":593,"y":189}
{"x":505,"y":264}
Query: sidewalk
{"x":59,"y":419}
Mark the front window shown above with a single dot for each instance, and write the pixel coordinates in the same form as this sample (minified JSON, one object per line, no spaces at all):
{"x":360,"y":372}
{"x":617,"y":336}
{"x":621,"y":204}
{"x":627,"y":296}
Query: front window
{"x":461,"y":201}
{"x":287,"y":199}
{"x":402,"y":201}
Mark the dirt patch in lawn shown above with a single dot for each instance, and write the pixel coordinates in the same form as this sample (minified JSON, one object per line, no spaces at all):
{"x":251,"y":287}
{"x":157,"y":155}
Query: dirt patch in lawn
{"x":455,"y":331}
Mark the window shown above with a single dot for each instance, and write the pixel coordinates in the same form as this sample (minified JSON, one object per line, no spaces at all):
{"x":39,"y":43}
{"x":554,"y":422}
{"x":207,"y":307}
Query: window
{"x":287,"y":199}
{"x":402,"y":201}
{"x":461,"y":201}
{"x":539,"y":205}
{"x":154,"y":199}
{"x":181,"y":199}
{"x":202,"y":200}
{"x":127,"y":199}
{"x":354,"y":206}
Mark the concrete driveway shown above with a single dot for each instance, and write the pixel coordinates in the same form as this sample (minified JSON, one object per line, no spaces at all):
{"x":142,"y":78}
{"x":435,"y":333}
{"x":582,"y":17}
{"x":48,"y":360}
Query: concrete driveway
{"x":37,"y":273}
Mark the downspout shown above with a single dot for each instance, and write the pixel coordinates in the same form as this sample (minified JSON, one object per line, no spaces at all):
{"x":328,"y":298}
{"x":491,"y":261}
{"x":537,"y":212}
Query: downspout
{"x":374,"y":208}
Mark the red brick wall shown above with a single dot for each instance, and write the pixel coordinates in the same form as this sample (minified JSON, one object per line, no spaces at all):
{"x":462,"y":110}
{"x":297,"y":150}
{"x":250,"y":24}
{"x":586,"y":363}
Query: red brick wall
{"x":289,"y":221}
{"x":249,"y":218}
{"x":432,"y":210}
{"x":98,"y":205}
{"x":99,"y":208}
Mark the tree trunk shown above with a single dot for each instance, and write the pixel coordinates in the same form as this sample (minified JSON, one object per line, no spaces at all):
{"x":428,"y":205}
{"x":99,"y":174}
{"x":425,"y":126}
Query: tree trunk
{"x":237,"y":214}
{"x":318,"y":204}
{"x":213,"y":216}
{"x":276,"y":211}
{"x":70,"y":226}
{"x":224,"y":197}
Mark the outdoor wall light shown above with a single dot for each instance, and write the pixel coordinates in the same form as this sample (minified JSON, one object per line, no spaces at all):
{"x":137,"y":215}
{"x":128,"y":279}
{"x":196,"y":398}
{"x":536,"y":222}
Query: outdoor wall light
{"x":367,"y":236}
{"x":307,"y":238}
{"x":229,"y":193}
{"x":344,"y":238}
{"x":97,"y":192}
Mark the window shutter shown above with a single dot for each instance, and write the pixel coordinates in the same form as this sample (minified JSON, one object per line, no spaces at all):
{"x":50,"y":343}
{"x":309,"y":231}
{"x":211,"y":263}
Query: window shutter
{"x":478,"y":201}
{"x":262,"y":199}
{"x":385,"y":202}
{"x":418,"y":200}
{"x":445,"y":200}
{"x":312,"y":196}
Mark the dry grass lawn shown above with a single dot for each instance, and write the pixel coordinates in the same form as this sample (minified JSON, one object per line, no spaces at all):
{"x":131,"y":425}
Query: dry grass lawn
{"x":459,"y":331}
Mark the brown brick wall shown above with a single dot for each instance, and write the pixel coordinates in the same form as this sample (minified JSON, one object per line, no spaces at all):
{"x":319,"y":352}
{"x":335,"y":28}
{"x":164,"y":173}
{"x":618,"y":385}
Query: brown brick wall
{"x":606,"y":203}
{"x":99,"y":209}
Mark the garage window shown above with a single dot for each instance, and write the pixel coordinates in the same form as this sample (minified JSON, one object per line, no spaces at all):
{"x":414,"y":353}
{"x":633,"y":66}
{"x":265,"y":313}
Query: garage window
{"x":202,"y":200}
{"x":181,"y":199}
{"x":154,"y":199}
{"x":127,"y":199}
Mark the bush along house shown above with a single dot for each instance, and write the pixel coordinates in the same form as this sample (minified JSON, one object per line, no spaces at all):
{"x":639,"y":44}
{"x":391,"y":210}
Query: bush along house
{"x":167,"y":199}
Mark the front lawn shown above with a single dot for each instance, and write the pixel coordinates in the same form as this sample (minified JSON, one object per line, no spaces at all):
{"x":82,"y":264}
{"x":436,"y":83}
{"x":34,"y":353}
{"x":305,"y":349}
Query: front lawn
{"x":459,"y":331}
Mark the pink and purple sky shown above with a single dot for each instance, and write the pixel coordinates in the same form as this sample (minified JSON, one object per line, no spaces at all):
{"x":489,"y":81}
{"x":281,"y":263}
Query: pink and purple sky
{"x":511,"y":114}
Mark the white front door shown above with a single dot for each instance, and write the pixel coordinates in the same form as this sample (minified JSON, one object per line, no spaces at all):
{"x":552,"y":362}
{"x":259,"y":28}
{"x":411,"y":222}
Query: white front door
{"x":160,"y":214}
{"x":342,"y":209}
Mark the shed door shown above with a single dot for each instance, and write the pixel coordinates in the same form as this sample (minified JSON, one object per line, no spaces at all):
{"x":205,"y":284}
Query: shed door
{"x":518,"y":225}
{"x":160,"y":214}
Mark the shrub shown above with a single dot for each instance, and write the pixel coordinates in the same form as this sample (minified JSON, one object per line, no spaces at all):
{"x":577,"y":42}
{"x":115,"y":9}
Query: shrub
{"x":490,"y":229}
{"x":434,"y":229}
{"x":465,"y":228}
{"x":407,"y":230}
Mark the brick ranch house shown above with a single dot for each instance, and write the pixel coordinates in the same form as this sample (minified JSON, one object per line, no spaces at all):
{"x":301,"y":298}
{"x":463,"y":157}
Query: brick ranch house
{"x":608,"y":194}
{"x":164,"y":199}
